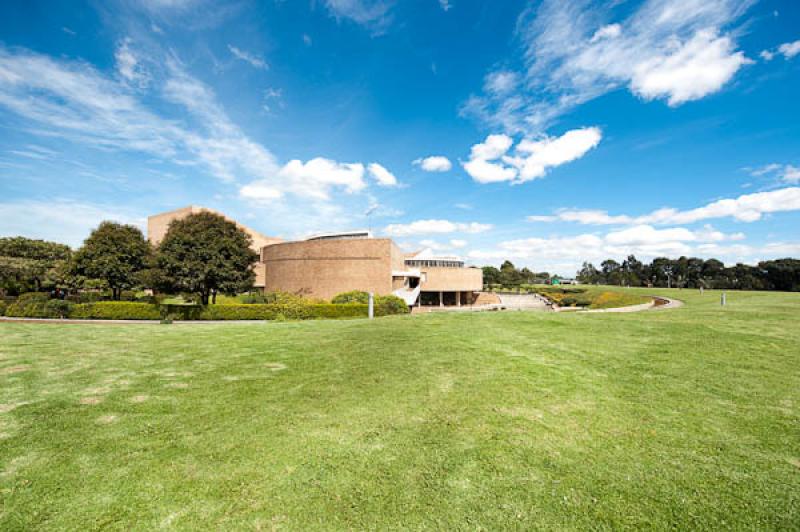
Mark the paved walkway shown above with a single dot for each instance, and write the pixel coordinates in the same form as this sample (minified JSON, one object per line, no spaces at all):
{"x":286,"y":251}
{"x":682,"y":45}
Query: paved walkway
{"x":658,"y":303}
{"x":524,"y":302}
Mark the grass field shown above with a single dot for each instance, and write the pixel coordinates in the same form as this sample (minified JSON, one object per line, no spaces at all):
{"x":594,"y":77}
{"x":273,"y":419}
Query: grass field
{"x":686,"y":418}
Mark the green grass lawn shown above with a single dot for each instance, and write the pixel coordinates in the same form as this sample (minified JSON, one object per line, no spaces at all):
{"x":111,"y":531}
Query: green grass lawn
{"x":686,"y":418}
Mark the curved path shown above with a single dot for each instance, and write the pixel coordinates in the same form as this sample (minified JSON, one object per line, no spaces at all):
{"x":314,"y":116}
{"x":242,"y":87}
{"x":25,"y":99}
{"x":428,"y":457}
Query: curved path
{"x":668,"y":304}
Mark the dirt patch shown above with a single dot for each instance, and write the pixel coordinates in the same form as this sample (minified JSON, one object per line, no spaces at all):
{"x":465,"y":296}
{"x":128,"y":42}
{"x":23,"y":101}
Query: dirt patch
{"x":14,"y":369}
{"x":139,"y":398}
{"x":91,"y":400}
{"x":8,"y":407}
{"x":794,"y":461}
{"x":107,"y":419}
{"x":230,"y":378}
{"x":180,"y":385}
{"x":275,"y":366}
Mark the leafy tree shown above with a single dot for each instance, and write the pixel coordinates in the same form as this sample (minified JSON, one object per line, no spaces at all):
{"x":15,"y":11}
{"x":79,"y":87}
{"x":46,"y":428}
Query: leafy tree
{"x":588,"y":274}
{"x":115,"y":253}
{"x":782,"y":274}
{"x":491,"y":275}
{"x":205,"y":254}
{"x":30,"y":265}
{"x":509,"y":275}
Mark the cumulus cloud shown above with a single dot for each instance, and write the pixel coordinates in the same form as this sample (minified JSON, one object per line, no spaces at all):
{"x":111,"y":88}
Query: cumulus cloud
{"x":573,"y":52}
{"x":698,"y":67}
{"x":789,"y":49}
{"x":566,"y":253}
{"x":435,"y":245}
{"x":427,"y":227}
{"x":489,"y":162}
{"x":382,"y":176}
{"x":745,"y":208}
{"x":434,"y":163}
{"x":254,"y":60}
{"x":313,"y":179}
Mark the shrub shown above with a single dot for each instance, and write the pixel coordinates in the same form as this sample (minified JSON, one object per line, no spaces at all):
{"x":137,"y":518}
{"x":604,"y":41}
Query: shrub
{"x":273,"y":298}
{"x":282,"y":312}
{"x":87,"y":296}
{"x":38,"y":305}
{"x":384,"y":305}
{"x":388,"y":305}
{"x":353,"y":296}
{"x":3,"y":306}
{"x":116,"y":310}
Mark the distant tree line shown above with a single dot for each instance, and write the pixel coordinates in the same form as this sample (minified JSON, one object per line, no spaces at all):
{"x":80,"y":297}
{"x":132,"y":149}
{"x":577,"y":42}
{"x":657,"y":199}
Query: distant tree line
{"x":693,"y":272}
{"x":203,"y":254}
{"x":510,"y":276}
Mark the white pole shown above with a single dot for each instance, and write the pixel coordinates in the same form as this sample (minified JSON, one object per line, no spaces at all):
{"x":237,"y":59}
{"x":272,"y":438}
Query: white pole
{"x":723,"y":299}
{"x":371,"y":306}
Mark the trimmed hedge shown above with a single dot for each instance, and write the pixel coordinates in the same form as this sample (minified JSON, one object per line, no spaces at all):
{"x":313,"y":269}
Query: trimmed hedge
{"x":38,"y":305}
{"x":281,"y":312}
{"x":384,"y":305}
{"x":115,"y":310}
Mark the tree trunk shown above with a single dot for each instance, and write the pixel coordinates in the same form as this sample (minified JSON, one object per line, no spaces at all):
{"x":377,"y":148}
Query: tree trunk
{"x":204,"y":297}
{"x":213,"y":297}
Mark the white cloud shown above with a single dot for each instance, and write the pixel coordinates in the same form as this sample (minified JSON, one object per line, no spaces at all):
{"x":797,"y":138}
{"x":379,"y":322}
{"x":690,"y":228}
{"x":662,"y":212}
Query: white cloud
{"x":61,"y":220}
{"x":676,"y":50}
{"x":766,"y":55}
{"x":566,"y":253}
{"x":791,"y":174}
{"x":610,"y":31}
{"x":745,"y":208}
{"x":373,"y":14}
{"x":480,"y":166}
{"x":75,"y":101}
{"x":382,"y":176}
{"x":699,"y":67}
{"x":536,"y":156}
{"x":501,"y":81}
{"x":786,"y":173}
{"x":532,"y":158}
{"x":307,"y":39}
{"x":128,"y":65}
{"x":445,"y":5}
{"x":427,"y":227}
{"x":434,"y":163}
{"x":315,"y":180}
{"x":435,"y":245}
{"x":790,"y":49}
{"x":248,"y":57}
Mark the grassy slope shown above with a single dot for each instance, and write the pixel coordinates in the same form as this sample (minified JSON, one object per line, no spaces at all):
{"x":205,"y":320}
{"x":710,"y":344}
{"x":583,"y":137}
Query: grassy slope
{"x":688,"y":418}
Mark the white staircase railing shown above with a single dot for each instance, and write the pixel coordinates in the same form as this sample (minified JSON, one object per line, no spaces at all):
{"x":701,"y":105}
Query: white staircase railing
{"x":409,"y":296}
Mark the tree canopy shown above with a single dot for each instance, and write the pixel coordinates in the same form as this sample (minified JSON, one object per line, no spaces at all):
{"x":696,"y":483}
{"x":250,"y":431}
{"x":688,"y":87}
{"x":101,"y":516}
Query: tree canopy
{"x":205,"y":254}
{"x":30,"y":265}
{"x":115,"y":253}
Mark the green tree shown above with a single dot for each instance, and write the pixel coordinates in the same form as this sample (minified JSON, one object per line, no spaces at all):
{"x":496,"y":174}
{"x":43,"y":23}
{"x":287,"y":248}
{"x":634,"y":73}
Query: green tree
{"x":30,"y":265}
{"x":491,"y":275}
{"x":588,"y":274}
{"x":205,"y":254}
{"x":115,"y":253}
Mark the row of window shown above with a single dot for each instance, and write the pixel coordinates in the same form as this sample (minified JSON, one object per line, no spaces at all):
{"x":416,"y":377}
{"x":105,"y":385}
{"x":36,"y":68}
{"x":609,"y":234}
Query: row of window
{"x":435,"y":263}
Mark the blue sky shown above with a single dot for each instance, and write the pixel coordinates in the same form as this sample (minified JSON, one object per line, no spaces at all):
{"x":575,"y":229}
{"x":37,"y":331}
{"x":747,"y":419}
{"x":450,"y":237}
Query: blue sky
{"x":544,"y":132}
